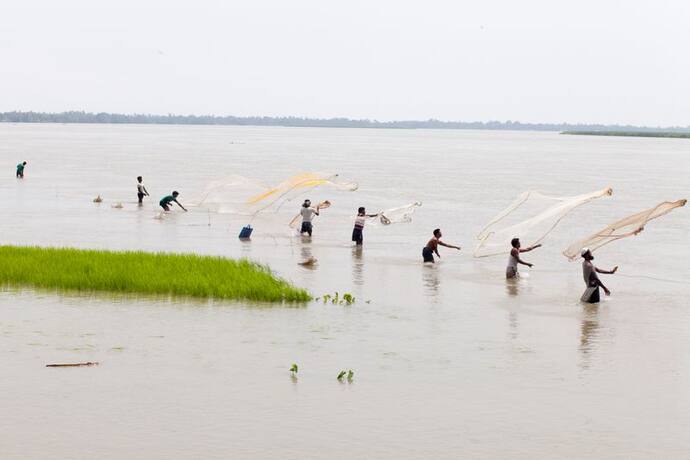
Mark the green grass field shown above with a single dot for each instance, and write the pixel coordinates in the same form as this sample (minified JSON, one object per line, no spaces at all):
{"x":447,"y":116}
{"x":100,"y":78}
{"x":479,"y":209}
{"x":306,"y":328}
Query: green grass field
{"x":675,"y":135}
{"x":136,"y":272}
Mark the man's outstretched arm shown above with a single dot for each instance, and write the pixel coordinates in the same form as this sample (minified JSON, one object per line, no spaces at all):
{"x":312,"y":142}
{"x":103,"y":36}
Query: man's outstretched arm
{"x":607,"y":272}
{"x":531,"y":248}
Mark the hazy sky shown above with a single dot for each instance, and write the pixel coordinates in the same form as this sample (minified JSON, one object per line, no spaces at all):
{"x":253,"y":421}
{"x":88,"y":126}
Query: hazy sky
{"x":551,"y":61}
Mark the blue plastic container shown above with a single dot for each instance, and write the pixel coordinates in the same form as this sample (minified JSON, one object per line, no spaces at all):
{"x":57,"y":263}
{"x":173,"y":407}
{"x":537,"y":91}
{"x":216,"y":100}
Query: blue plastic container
{"x":246,"y":232}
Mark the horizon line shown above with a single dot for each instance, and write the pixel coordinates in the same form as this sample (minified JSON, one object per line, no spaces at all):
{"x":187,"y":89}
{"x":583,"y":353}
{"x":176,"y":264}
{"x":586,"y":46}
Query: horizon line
{"x":82,"y":116}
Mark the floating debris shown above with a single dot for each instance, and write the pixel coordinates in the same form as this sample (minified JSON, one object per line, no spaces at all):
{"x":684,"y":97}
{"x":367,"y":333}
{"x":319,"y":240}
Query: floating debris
{"x":73,"y":364}
{"x":310,"y":262}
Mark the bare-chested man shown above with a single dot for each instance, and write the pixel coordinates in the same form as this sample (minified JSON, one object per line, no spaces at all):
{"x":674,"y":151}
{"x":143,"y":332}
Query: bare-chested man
{"x":589,"y":272}
{"x":514,"y":259}
{"x":431,"y":247}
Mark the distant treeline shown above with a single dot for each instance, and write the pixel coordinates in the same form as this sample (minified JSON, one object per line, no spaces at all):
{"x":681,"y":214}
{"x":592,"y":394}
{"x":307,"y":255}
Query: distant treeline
{"x":674,"y":134}
{"x":88,"y":117}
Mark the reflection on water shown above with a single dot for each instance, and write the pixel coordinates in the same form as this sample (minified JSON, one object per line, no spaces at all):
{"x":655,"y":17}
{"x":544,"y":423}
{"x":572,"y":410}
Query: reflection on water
{"x":518,"y":285}
{"x":512,"y":286}
{"x":431,"y":280}
{"x":246,"y":248}
{"x":589,"y":333}
{"x":357,"y":265}
{"x":308,"y":260}
{"x":513,"y":323}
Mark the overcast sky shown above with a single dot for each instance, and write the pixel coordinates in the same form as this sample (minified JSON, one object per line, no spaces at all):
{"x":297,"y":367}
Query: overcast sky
{"x":541,"y":61}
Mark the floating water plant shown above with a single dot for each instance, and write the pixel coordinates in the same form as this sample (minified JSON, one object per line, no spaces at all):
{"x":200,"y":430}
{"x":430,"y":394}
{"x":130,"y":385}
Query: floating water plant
{"x":349,"y":374}
{"x":294,"y":369}
{"x":335,"y":299}
{"x":136,"y":272}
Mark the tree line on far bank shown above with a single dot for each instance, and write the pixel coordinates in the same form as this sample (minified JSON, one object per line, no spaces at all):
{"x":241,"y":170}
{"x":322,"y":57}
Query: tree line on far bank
{"x":170,"y":119}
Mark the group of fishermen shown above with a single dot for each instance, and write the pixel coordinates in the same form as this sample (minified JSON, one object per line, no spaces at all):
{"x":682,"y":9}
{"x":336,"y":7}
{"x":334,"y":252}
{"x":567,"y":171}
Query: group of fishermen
{"x":165,"y":202}
{"x":589,"y":271}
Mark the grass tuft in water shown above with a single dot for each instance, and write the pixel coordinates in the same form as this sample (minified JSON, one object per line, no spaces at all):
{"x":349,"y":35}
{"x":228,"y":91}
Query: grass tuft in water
{"x":349,"y":374}
{"x":335,"y":299}
{"x":139,"y":272}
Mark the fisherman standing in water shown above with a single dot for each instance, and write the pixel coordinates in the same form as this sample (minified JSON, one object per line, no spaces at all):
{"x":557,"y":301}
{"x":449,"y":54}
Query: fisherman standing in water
{"x":589,"y":272}
{"x":357,"y":232}
{"x":141,"y":190}
{"x":514,"y":258}
{"x":166,"y":200}
{"x":307,"y":213}
{"x":20,"y":170}
{"x":431,"y":247}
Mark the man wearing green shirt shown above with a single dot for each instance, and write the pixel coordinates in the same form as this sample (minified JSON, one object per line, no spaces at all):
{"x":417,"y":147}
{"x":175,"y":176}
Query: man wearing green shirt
{"x":167,"y":200}
{"x":20,"y":170}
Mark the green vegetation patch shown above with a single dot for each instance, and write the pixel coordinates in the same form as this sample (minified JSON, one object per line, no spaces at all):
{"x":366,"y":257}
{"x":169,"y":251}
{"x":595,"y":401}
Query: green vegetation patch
{"x":630,"y":134}
{"x":139,"y":272}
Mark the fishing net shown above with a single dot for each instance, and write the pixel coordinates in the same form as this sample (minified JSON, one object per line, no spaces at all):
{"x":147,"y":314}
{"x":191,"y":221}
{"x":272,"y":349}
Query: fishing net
{"x":241,"y":195}
{"x":531,"y":217}
{"x":399,"y":215}
{"x":229,"y":194}
{"x":629,"y":226}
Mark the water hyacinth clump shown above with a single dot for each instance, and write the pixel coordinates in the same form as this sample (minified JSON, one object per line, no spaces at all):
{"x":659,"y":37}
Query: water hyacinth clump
{"x":138,"y":272}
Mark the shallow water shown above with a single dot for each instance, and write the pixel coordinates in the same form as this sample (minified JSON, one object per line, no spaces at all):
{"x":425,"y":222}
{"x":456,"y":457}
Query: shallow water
{"x":450,"y":361}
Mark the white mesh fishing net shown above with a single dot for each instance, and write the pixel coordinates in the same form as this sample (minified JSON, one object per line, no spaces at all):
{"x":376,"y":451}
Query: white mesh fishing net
{"x":531,"y":217}
{"x":241,"y":195}
{"x":398,"y":215}
{"x":629,"y":226}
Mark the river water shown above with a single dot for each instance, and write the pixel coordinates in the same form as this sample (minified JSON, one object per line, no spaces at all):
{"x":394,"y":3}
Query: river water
{"x":449,"y":361}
